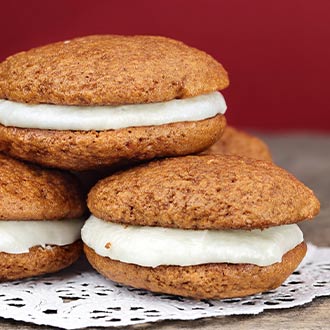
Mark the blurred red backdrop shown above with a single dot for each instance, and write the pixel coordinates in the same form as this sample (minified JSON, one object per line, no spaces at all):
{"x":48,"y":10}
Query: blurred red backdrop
{"x":277,"y":52}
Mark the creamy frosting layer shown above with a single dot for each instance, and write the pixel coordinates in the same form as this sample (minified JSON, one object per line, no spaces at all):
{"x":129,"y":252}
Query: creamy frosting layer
{"x":155,"y":246}
{"x":61,"y":117}
{"x":19,"y":236}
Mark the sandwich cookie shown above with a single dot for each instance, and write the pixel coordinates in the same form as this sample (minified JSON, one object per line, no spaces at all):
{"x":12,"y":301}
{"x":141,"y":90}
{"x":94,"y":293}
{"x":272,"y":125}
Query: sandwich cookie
{"x":96,"y":101}
{"x":206,"y":226}
{"x":40,"y":223}
{"x":240,"y":143}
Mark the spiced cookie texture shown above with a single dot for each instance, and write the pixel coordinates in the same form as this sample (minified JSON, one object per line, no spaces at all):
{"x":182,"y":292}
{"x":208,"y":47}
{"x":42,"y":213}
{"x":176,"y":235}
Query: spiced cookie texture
{"x":203,"y":192}
{"x":104,"y":100}
{"x":240,"y":143}
{"x":29,"y":192}
{"x":110,"y":69}
{"x":40,"y":223}
{"x":206,"y":281}
{"x":204,"y":226}
{"x":38,"y":261}
{"x":83,"y":150}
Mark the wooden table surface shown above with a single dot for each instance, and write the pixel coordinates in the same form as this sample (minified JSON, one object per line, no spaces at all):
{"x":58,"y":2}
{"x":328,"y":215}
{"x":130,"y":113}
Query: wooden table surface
{"x":308,"y":158}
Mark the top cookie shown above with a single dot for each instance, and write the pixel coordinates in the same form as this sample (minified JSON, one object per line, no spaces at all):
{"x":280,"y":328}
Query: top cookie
{"x":110,"y":69}
{"x":203,"y":192}
{"x":28,"y":192}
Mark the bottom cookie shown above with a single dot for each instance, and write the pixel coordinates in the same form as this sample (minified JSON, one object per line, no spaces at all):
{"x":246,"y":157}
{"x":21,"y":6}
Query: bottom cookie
{"x":38,"y":261}
{"x":207,"y":281}
{"x":85,"y":150}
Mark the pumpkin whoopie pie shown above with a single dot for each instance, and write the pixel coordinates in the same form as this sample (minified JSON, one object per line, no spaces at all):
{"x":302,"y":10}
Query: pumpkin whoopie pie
{"x":100,"y":100}
{"x":240,"y":143}
{"x":39,"y":220}
{"x":207,"y":226}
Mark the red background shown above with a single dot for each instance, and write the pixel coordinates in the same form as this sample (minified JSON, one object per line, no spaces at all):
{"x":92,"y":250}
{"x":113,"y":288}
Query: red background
{"x":277,"y":52}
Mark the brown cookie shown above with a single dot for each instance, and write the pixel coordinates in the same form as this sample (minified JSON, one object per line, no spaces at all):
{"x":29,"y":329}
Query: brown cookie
{"x":28,"y":192}
{"x":203,"y":192}
{"x":237,"y":142}
{"x":82,"y":150}
{"x":38,"y":261}
{"x":110,"y":69}
{"x":207,"y":281}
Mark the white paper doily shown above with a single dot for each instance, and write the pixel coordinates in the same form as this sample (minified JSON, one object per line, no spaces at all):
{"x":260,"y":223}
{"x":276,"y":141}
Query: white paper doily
{"x":79,"y":298}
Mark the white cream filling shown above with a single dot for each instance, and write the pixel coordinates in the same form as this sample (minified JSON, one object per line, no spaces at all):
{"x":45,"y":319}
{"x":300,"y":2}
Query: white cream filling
{"x":154,"y":246}
{"x":19,"y":236}
{"x":61,"y":117}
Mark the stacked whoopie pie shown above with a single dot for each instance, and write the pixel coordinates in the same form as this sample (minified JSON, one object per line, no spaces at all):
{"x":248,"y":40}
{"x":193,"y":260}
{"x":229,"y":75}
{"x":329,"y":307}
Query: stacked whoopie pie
{"x":207,"y":226}
{"x":105,"y":100}
{"x":40,"y":223}
{"x":204,"y":226}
